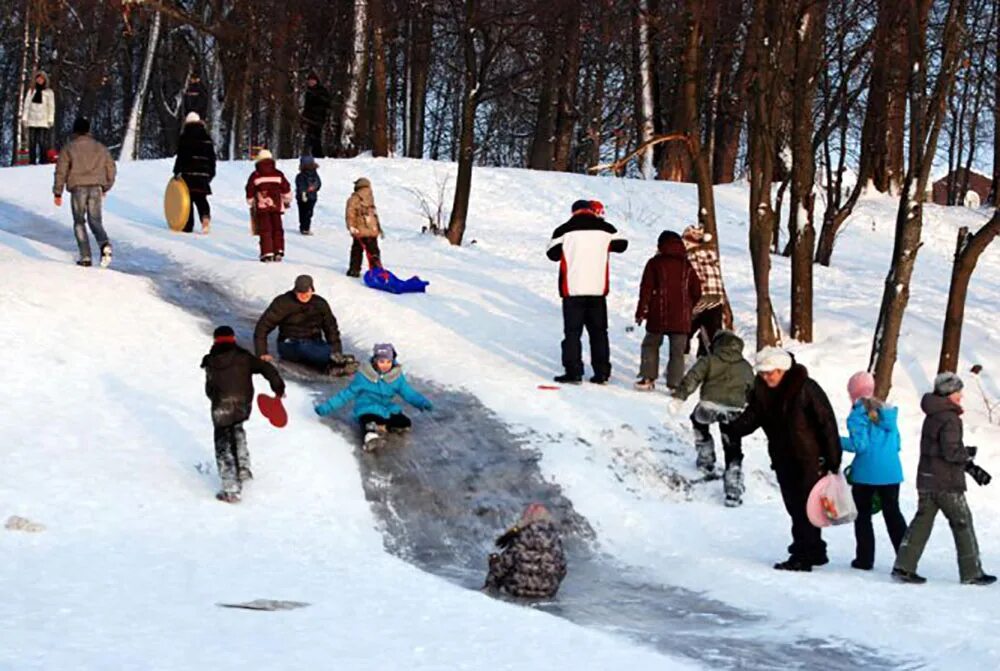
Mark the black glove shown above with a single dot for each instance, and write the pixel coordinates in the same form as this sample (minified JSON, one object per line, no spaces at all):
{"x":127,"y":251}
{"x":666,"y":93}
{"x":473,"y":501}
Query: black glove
{"x":507,"y":539}
{"x":978,"y":474}
{"x":972,"y":450}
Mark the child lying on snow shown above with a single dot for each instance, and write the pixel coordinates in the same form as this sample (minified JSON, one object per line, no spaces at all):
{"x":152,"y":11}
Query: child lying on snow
{"x":373,"y":388}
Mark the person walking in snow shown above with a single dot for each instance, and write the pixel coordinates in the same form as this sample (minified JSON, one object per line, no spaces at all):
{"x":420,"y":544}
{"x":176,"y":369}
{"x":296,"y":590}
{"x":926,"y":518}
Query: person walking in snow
{"x":944,"y":461}
{"x":195,"y":163}
{"x":195,"y":98}
{"x":802,"y":441}
{"x":581,"y":246}
{"x":268,"y":195}
{"x":873,"y":437}
{"x":531,"y":563}
{"x":38,"y":117}
{"x":307,"y":186}
{"x":362,"y":221}
{"x":315,"y":106}
{"x":669,"y":291}
{"x":86,"y":169}
{"x":229,"y":371}
{"x":726,"y":379}
{"x":708,"y":313}
{"x":307,"y":329}
{"x":373,"y":388}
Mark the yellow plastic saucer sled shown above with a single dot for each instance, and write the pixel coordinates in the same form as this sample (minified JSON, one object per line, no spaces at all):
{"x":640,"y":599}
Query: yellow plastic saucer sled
{"x":177,"y":204}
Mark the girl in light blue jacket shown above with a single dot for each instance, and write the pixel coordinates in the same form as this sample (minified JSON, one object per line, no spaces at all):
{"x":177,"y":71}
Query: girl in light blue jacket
{"x":373,"y":390}
{"x":876,"y":469}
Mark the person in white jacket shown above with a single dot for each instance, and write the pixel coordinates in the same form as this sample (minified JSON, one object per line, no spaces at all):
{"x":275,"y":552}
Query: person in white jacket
{"x":38,"y":117}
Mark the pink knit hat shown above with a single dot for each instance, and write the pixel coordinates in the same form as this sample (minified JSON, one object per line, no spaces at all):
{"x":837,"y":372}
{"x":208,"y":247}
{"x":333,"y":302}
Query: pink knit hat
{"x":861,"y":385}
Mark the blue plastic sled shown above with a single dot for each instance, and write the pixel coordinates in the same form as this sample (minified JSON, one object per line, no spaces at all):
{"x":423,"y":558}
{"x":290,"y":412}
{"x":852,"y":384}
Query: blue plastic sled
{"x":383,"y":280}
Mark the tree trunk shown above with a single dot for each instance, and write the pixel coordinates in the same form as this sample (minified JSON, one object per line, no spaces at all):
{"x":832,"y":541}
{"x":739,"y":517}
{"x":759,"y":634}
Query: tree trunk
{"x":356,"y":80}
{"x":420,"y":64}
{"x":646,"y":125}
{"x":133,"y":131}
{"x":967,"y":253}
{"x":380,"y":115}
{"x":467,"y":143}
{"x":542,"y":152}
{"x":20,"y":141}
{"x":808,"y":41}
{"x":567,"y":114}
{"x":995,"y":189}
{"x":926,"y":118}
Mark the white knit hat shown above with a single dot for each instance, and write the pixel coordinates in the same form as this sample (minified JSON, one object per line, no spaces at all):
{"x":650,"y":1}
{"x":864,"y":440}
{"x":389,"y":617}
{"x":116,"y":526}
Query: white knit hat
{"x":192,"y":117}
{"x":263,"y":155}
{"x":771,"y":359}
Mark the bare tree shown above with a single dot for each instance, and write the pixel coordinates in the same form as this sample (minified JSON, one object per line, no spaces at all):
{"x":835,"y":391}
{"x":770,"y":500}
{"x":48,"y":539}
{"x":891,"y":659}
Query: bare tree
{"x":646,"y":126}
{"x":130,"y":143}
{"x":356,"y":83}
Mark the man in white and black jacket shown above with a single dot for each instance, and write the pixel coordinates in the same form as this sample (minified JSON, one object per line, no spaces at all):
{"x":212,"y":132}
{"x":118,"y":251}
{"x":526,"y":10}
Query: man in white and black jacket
{"x":581,"y":246}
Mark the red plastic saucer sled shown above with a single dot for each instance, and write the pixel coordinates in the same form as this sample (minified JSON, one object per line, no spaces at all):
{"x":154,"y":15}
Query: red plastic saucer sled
{"x":272,"y":408}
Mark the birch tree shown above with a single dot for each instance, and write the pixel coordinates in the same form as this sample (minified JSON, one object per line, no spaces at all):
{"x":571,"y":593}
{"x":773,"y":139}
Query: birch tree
{"x":646,"y":126}
{"x":130,"y":142}
{"x":356,"y":80}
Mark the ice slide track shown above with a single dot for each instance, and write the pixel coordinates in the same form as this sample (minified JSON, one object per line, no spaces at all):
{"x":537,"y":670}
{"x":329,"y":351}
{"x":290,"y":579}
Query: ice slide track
{"x":443,"y":492}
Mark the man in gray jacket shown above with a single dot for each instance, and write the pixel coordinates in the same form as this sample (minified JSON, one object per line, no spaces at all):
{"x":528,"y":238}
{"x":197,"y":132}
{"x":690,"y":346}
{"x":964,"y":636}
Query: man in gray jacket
{"x":87,"y":171}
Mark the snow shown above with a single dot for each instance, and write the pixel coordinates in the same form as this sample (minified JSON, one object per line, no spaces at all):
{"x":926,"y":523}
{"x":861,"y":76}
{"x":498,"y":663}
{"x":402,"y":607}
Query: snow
{"x":103,"y":383}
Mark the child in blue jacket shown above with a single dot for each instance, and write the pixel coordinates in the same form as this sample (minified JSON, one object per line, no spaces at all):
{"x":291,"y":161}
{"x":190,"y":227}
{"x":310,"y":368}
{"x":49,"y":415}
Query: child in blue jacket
{"x":876,"y":469}
{"x":375,"y":385}
{"x":307,"y":186}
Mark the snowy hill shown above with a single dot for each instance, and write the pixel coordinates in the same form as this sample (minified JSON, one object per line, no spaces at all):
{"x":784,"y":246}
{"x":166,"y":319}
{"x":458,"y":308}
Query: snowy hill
{"x":106,"y":422}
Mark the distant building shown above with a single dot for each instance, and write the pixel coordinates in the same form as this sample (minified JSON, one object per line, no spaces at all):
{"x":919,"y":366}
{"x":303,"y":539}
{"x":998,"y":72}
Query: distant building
{"x":978,"y":190}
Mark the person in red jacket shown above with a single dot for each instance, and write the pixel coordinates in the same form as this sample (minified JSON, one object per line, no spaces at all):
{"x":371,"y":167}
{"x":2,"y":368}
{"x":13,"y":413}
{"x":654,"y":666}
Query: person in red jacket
{"x":268,"y":195}
{"x":669,"y":291}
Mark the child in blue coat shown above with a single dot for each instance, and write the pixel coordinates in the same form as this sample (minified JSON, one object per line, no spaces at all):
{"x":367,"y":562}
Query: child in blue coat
{"x":876,"y":469}
{"x":375,"y":385}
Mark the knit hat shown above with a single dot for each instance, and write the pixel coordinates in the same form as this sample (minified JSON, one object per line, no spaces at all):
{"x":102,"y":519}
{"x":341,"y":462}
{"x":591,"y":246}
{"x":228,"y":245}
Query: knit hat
{"x":771,"y":359}
{"x":597,"y":207}
{"x":384,"y":351}
{"x":192,"y":117}
{"x":306,"y":161}
{"x":263,"y":155}
{"x":581,"y":205}
{"x":303,"y":283}
{"x":534,"y":512}
{"x":224,"y":334}
{"x":666,"y":235}
{"x":81,"y":126}
{"x":946,"y":384}
{"x":362,"y":182}
{"x":696,"y":234}
{"x":861,"y":385}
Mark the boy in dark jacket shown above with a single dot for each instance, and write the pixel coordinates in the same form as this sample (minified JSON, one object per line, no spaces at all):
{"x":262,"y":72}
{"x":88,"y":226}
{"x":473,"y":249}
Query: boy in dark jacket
{"x":268,"y":195}
{"x":944,"y":461}
{"x":229,"y":371}
{"x":726,"y":379}
{"x":531,"y":563}
{"x":669,"y":291}
{"x":307,"y":186}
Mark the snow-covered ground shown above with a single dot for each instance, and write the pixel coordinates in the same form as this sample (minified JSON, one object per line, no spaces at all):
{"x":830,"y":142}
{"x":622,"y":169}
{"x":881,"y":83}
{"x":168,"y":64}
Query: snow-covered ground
{"x":105,"y":420}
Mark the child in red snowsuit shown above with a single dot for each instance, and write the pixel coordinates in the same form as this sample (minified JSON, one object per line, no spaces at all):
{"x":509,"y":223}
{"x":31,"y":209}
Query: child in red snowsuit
{"x":268,"y":194}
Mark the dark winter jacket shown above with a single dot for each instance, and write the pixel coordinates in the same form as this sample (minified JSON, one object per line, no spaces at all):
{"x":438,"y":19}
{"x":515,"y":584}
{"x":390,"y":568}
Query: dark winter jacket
{"x":315,"y":106}
{"x":196,"y":99}
{"x":724,"y":375}
{"x":84,"y":162}
{"x":229,"y":371}
{"x":308,"y":177}
{"x":581,"y":247}
{"x":195,"y":160}
{"x":297,"y":321}
{"x":532,"y":565}
{"x":669,"y":291}
{"x":267,"y":189}
{"x":797,"y":417}
{"x":942,"y":453}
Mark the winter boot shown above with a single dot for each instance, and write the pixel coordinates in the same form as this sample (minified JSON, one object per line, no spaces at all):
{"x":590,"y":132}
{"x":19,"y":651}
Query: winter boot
{"x":732,"y":485}
{"x":266,"y":258}
{"x":566,"y":378}
{"x":373,"y":437}
{"x":901,"y":575}
{"x":85,"y":263}
{"x":206,"y":225}
{"x":228,"y":497}
{"x":599,"y":379}
{"x":644,"y":384}
{"x":106,"y":255}
{"x":794,"y":564}
{"x":354,"y":273}
{"x":982,"y":580}
{"x":705,"y":448}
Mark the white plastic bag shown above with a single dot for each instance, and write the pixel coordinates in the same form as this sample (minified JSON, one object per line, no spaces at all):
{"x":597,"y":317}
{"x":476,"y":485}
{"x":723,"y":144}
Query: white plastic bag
{"x":830,"y":502}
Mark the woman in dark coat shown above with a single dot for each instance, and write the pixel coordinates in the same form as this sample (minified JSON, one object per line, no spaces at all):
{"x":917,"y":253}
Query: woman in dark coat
{"x":531,"y":563}
{"x":195,"y":162}
{"x":803,"y":442}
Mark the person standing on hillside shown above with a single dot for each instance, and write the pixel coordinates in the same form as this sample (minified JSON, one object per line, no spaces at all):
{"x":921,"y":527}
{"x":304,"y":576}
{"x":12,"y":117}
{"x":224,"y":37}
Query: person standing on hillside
{"x":708,"y":314}
{"x":195,"y":163}
{"x":307,"y":186}
{"x":195,"y":98}
{"x":315,"y":107}
{"x":86,"y":169}
{"x":802,"y":440}
{"x":38,"y":117}
{"x":229,"y":371}
{"x":581,"y":246}
{"x":669,"y":291}
{"x":363,"y":225}
{"x":268,"y":195}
